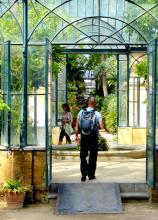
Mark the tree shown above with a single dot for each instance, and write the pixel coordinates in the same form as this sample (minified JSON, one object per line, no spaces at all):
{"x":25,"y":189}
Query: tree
{"x":106,"y":73}
{"x":141,"y":68}
{"x":76,"y":84}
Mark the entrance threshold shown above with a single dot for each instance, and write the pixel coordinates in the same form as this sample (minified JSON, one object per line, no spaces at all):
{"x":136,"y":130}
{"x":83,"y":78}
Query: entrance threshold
{"x":127,"y":190}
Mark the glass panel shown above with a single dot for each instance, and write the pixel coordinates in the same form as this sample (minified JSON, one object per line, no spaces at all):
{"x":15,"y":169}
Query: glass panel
{"x":54,"y":101}
{"x":15,"y":119}
{"x":61,"y":91}
{"x":11,"y":90}
{"x":151,"y":114}
{"x":124,"y":17}
{"x":11,"y":22}
{"x":134,"y":100}
{"x":37,"y":12}
{"x":36,"y":96}
{"x":123,"y":90}
{"x":5,"y":134}
{"x":47,"y":18}
{"x":16,"y":69}
{"x":141,"y":23}
{"x":16,"y":90}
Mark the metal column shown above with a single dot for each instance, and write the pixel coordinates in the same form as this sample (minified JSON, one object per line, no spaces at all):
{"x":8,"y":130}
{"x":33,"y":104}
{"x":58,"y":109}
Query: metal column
{"x":23,"y":120}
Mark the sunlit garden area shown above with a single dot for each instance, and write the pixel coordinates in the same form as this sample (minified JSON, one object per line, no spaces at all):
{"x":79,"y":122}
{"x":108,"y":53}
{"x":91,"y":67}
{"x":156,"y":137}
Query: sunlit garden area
{"x":56,"y":56}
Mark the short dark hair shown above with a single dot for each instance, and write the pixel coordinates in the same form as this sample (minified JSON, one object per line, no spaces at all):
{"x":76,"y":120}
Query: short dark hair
{"x":67,"y":107}
{"x":91,"y":98}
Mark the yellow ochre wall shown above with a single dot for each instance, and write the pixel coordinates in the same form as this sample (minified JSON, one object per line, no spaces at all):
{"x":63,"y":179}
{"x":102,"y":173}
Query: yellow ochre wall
{"x":132,"y":136}
{"x":55,"y":136}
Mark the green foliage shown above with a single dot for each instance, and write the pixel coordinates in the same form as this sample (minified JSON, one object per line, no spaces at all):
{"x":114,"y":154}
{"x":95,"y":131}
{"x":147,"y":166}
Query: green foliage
{"x":57,"y":60}
{"x":141,"y":68}
{"x":107,"y":67}
{"x":76,"y":84}
{"x":3,"y":106}
{"x":14,"y":186}
{"x":102,"y":144}
{"x":99,"y":100}
{"x":109,"y":113}
{"x":94,"y":60}
{"x":75,"y":105}
{"x":146,"y":25}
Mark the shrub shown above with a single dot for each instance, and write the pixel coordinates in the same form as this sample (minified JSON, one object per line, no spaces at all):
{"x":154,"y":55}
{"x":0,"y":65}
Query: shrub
{"x":99,"y":100}
{"x":102,"y":144}
{"x":109,"y":113}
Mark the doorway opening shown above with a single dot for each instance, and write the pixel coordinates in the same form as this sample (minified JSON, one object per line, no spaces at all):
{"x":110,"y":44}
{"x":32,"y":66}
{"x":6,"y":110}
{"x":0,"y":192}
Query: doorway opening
{"x":128,"y":101}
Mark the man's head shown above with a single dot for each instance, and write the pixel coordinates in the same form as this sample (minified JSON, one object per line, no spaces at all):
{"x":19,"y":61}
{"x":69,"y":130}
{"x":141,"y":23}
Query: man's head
{"x":92,"y":102}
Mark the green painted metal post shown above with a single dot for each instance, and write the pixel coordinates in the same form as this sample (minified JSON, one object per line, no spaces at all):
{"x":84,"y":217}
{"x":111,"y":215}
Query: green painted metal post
{"x":138,"y":100}
{"x":118,"y":90}
{"x":46,"y":111}
{"x":154,"y":72}
{"x":2,"y":86}
{"x":23,"y":119}
{"x":9,"y":96}
{"x":151,"y":115}
{"x":56,"y":99}
{"x":66,"y":81}
{"x":128,"y":77}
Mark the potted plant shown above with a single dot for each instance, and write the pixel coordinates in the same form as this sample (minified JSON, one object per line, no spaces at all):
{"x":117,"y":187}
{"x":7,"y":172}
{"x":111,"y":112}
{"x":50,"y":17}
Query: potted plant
{"x":14,"y":193}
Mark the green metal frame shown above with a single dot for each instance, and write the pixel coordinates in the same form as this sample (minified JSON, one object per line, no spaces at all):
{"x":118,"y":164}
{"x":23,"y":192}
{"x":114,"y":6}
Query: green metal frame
{"x":48,"y":124}
{"x":128,"y":77}
{"x":23,"y":124}
{"x":56,"y":101}
{"x":46,"y":112}
{"x":6,"y":79}
{"x":151,"y":120}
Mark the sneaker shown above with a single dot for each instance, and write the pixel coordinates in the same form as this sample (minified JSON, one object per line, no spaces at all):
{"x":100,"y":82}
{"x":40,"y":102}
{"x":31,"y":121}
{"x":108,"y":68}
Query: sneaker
{"x":83,"y":178}
{"x":92,"y":178}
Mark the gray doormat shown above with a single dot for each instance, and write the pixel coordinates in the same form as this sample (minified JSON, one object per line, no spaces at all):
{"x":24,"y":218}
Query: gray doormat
{"x":89,"y":198}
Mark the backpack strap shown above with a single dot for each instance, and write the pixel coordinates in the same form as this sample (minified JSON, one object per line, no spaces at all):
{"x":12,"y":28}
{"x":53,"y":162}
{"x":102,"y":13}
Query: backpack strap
{"x":94,"y":118}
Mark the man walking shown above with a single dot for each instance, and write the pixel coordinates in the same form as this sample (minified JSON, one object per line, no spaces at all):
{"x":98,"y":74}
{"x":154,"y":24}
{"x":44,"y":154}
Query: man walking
{"x":88,"y":122}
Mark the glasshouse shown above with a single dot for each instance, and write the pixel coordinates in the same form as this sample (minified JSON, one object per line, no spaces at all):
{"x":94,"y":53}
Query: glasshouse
{"x":63,"y":51}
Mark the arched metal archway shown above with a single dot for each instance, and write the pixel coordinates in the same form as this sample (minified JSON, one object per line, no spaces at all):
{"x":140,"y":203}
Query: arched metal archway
{"x":111,"y":26}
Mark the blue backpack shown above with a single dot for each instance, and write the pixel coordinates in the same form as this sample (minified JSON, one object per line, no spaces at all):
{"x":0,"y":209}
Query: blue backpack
{"x":87,"y":122}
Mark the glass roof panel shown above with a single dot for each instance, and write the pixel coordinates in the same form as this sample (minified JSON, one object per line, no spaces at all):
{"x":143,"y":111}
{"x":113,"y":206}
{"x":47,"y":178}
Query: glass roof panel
{"x":37,"y":12}
{"x":146,"y":4}
{"x":5,"y":5}
{"x":11,"y":22}
{"x":147,"y":27}
{"x":126,"y":21}
{"x":118,"y":16}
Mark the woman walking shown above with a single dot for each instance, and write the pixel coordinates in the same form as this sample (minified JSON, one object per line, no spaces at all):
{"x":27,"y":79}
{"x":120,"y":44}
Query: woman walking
{"x":66,"y":121}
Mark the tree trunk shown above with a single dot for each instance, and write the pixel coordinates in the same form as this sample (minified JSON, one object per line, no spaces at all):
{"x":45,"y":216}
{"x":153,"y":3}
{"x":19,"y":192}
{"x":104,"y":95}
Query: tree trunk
{"x":105,"y":84}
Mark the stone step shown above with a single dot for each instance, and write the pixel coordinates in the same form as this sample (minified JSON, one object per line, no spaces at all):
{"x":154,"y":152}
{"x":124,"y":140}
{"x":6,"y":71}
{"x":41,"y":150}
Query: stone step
{"x":134,"y":195}
{"x":52,"y":195}
{"x":127,"y":190}
{"x":133,"y":187}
